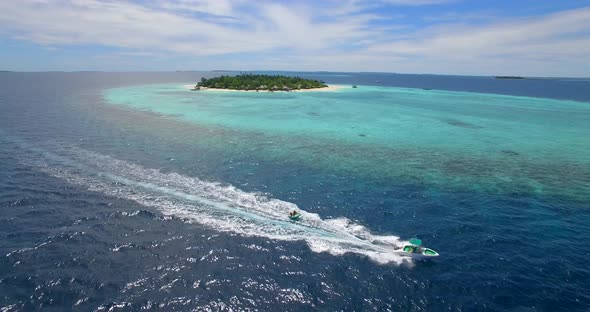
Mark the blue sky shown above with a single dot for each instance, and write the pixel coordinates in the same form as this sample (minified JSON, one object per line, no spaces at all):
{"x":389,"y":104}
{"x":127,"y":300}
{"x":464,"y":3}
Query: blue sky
{"x":501,"y":37}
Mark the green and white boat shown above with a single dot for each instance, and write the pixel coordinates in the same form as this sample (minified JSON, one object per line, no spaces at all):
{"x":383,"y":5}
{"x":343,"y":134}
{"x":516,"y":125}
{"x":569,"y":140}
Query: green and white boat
{"x":414,"y":250}
{"x":295,"y":216}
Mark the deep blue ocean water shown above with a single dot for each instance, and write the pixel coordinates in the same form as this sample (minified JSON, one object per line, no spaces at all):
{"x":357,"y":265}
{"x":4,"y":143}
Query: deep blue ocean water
{"x":121,"y":191}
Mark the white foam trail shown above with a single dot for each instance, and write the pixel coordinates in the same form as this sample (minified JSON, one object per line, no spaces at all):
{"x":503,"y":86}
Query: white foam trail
{"x":217,"y":206}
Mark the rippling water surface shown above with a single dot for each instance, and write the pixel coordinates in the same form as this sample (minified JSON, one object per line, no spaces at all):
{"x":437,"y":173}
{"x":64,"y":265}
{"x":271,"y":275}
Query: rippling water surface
{"x":128,"y":192}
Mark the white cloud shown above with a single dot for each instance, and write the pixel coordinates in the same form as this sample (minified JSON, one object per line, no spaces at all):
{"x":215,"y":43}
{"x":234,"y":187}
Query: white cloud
{"x":332,"y":35}
{"x":520,"y":46}
{"x":417,"y":2}
{"x":213,"y":7}
{"x":128,"y":25}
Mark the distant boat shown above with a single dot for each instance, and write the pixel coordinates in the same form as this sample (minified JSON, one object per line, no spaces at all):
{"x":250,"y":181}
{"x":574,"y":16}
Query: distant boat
{"x":354,"y":87}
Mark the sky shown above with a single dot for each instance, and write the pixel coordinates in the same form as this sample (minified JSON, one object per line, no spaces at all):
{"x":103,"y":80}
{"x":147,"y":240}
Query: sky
{"x":461,"y":37}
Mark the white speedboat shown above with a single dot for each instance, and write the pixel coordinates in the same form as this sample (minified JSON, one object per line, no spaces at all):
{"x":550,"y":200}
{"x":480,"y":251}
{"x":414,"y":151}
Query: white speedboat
{"x":414,"y":250}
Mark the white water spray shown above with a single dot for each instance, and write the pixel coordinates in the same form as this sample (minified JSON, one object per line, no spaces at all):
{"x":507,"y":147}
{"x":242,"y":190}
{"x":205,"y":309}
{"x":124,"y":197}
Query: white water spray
{"x":219,"y":207}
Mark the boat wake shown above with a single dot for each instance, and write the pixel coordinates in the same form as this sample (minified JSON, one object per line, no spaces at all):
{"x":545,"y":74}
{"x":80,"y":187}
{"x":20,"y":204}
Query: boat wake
{"x":214,"y":205}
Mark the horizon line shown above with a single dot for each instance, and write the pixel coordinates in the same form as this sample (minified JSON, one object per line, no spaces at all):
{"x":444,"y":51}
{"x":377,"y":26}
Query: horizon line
{"x":292,"y":71}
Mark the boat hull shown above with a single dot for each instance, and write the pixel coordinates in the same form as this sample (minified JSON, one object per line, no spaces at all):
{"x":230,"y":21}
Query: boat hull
{"x":296,"y":217}
{"x":422,"y":254}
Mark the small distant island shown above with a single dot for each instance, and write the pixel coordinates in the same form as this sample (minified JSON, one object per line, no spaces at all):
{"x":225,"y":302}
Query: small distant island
{"x":251,"y":82}
{"x":508,"y":77}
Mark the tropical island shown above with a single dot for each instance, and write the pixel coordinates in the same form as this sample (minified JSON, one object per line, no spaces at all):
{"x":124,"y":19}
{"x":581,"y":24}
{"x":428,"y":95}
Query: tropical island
{"x":251,"y":82}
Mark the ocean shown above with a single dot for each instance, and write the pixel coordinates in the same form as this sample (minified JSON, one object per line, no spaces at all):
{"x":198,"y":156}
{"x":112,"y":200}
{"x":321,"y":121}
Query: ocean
{"x":128,"y":192}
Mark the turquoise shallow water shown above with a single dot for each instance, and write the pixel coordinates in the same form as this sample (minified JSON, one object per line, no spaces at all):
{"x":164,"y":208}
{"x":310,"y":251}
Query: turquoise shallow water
{"x":458,"y":140}
{"x":124,"y":191}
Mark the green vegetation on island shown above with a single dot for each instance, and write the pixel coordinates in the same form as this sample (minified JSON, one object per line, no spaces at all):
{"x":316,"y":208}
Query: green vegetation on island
{"x":260,"y":83}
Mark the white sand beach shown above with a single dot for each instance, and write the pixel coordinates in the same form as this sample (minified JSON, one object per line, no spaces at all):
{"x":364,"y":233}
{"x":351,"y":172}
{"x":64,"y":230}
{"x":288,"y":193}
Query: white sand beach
{"x":328,"y":88}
